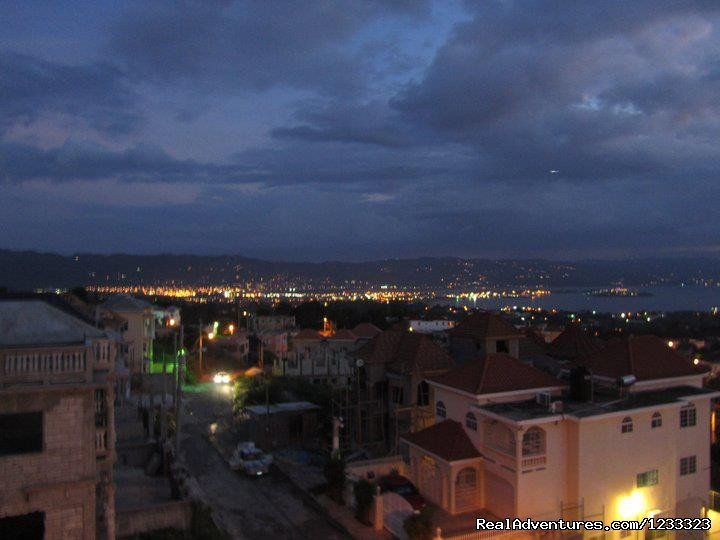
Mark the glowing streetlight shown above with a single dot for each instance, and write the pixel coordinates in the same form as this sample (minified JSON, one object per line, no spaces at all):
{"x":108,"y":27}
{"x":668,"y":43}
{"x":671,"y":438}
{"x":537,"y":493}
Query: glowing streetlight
{"x":171,"y":322}
{"x":211,"y":335}
{"x":231,"y":328}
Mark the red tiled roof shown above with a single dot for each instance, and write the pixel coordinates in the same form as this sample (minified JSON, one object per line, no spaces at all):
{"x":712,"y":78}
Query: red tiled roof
{"x":532,"y":344}
{"x":447,"y":440}
{"x":572,"y":343}
{"x":343,"y":335}
{"x":405,"y":352}
{"x":484,"y":325}
{"x":495,"y":373}
{"x":308,"y":334}
{"x":646,"y":357}
{"x":366,"y":331}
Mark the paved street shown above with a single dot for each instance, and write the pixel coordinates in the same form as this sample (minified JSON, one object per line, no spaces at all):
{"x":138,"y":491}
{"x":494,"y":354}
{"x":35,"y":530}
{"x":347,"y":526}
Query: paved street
{"x":267,"y":507}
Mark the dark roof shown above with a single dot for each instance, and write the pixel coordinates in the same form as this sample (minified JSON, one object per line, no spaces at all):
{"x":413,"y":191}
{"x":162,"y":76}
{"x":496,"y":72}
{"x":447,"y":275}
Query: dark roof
{"x":573,"y":343}
{"x":343,"y":335}
{"x":532,"y":344}
{"x":531,"y":409}
{"x":28,"y":323}
{"x":485,"y":325}
{"x":446,"y":440}
{"x":405,"y":352}
{"x":308,"y":334}
{"x":366,"y":331}
{"x":495,"y":373}
{"x":646,"y":357}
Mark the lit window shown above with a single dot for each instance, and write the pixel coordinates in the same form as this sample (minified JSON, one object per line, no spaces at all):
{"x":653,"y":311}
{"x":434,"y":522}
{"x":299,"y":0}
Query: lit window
{"x":627,"y":425}
{"x":440,"y":409}
{"x":656,"y":421}
{"x":471,"y":421}
{"x":688,"y":465}
{"x":688,"y":415}
{"x":649,"y":478}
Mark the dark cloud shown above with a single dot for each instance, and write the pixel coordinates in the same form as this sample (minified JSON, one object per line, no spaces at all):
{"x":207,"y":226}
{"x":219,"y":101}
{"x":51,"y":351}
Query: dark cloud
{"x":95,"y":93}
{"x":252,"y":44}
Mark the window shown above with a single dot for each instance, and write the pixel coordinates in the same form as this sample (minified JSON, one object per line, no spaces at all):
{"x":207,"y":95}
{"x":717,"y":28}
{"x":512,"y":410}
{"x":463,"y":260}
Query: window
{"x":471,"y":421}
{"x":688,"y":465}
{"x":533,"y":443}
{"x":423,"y":394}
{"x":28,"y":526}
{"x":649,"y":478}
{"x":656,"y":421}
{"x":499,"y":437}
{"x":440,"y":409}
{"x":688,"y":415}
{"x":627,"y":425}
{"x":501,"y":346}
{"x":21,"y":433}
{"x":397,"y":395}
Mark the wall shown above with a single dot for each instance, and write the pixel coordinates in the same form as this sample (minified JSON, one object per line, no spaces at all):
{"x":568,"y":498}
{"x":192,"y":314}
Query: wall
{"x":175,"y":515}
{"x":60,"y":480}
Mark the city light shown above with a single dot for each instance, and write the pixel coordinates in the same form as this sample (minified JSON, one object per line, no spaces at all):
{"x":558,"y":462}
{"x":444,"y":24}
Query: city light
{"x":631,"y":506}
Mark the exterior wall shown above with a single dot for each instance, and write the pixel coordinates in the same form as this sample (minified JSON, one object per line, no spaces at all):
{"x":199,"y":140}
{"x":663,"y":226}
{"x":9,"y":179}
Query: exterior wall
{"x":175,"y":515}
{"x":139,"y":338}
{"x":60,"y":480}
{"x":428,"y":327}
{"x":327,"y":360}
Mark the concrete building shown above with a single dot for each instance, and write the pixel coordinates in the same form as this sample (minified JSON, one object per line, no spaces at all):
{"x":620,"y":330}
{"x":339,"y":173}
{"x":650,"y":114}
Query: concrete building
{"x":57,"y":436}
{"x":627,"y":438}
{"x":270,"y":323}
{"x":484,"y":333}
{"x":139,"y":331}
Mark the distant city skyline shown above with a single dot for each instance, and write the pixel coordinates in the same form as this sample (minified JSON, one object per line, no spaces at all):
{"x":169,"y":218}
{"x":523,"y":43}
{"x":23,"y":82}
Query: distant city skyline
{"x":308,"y":131}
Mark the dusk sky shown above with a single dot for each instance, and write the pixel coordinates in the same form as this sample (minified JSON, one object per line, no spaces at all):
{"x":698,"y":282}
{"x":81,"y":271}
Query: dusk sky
{"x":363,"y":129}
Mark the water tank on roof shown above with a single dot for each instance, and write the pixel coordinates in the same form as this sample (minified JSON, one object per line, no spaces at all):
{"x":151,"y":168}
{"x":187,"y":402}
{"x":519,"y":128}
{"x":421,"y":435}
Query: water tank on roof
{"x":581,"y":384}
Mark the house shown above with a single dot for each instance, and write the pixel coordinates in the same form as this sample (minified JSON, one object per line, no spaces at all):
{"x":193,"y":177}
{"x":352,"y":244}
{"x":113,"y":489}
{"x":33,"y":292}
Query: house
{"x":627,"y":437}
{"x":484,"y":333}
{"x":57,"y":437}
{"x":573,"y":343}
{"x":430,"y":326}
{"x":320,"y":358}
{"x":138,"y":332}
{"x":391,"y":373}
{"x":270,"y":323}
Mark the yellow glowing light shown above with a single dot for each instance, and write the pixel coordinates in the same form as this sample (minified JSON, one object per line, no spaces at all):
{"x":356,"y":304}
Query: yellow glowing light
{"x":631,"y":505}
{"x":211,"y":335}
{"x":231,"y":328}
{"x":671,"y":343}
{"x":696,"y":361}
{"x":171,"y":322}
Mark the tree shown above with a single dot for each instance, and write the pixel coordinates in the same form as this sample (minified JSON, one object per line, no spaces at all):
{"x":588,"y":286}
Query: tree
{"x":419,"y":526}
{"x":335,"y":476}
{"x":364,"y":492}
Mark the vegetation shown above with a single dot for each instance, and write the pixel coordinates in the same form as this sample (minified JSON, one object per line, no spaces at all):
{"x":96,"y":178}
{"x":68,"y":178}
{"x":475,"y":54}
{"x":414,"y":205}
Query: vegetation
{"x":364,"y":492}
{"x":419,"y":526}
{"x":335,"y":476}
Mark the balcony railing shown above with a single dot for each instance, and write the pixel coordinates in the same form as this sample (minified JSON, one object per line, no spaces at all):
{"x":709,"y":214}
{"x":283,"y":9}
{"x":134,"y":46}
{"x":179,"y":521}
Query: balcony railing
{"x":533,"y":462}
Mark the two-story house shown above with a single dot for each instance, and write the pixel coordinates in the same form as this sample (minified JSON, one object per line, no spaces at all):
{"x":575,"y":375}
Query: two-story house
{"x":627,"y":437}
{"x":139,"y":331}
{"x":484,"y":332}
{"x":57,"y":435}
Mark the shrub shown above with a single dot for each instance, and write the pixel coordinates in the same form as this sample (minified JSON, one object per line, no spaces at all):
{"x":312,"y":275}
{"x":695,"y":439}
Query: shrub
{"x":419,"y":526}
{"x":364,"y":492}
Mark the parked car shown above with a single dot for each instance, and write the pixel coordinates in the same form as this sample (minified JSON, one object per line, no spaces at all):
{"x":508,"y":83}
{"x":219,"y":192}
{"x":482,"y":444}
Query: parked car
{"x":397,"y":483}
{"x":249,"y":459}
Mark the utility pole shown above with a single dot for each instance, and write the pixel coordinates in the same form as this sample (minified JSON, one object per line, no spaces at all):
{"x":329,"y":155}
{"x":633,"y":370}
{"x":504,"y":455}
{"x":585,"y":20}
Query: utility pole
{"x":178,"y":392}
{"x":200,"y":351}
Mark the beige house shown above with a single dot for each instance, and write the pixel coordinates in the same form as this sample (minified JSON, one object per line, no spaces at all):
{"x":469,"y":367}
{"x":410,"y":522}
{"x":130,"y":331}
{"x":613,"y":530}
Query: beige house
{"x":484,"y":333}
{"x":139,"y":331}
{"x":57,"y":436}
{"x":628,"y":437}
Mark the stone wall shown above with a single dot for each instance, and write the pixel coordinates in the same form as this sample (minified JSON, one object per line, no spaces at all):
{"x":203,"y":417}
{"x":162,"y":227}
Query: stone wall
{"x":175,"y":515}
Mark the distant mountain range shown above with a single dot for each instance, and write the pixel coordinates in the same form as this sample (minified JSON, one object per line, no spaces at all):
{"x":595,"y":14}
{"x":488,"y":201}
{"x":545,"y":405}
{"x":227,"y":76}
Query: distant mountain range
{"x":28,"y":270}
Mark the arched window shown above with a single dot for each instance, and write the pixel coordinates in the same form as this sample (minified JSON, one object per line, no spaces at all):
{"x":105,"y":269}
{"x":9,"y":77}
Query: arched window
{"x":467,"y":477}
{"x":533,"y":443}
{"x":688,"y":415}
{"x":627,"y":425}
{"x":440,"y":409}
{"x":471,"y":421}
{"x":423,"y":394}
{"x":656,"y":420}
